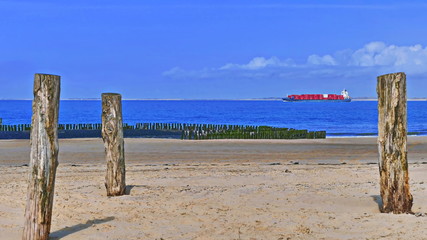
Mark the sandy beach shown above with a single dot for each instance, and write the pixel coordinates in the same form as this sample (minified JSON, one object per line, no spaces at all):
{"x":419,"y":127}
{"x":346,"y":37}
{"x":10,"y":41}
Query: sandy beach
{"x":218,"y":189}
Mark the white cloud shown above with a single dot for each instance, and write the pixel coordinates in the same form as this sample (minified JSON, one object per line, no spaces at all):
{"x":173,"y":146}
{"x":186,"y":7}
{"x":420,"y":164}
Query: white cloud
{"x":374,"y":58}
{"x":260,"y":62}
{"x":173,"y":71}
{"x":375,"y":54}
{"x":324,"y":60}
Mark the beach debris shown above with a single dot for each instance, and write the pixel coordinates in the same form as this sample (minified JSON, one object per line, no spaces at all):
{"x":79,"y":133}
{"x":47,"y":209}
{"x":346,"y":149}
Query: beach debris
{"x":330,"y":164}
{"x":392,"y":143}
{"x":420,"y":214}
{"x":287,"y":171}
{"x":112,"y":135}
{"x":186,"y":188}
{"x":43,"y":157}
{"x":273,"y":164}
{"x":303,"y":229}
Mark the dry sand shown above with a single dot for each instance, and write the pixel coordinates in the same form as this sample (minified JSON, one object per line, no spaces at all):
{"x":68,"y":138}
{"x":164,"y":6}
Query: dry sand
{"x":222,"y":189}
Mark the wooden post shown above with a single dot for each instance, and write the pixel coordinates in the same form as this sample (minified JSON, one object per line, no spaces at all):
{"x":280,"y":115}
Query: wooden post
{"x":392,"y":130}
{"x":112,"y":134}
{"x":43,"y":157}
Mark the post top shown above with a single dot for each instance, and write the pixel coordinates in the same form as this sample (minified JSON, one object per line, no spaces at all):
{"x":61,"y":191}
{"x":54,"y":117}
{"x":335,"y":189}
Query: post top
{"x":110,"y":94}
{"x":388,"y":74}
{"x":46,"y":74}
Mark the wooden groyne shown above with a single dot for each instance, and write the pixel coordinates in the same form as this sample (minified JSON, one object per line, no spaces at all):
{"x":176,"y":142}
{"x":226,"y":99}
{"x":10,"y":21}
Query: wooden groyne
{"x":196,"y":131}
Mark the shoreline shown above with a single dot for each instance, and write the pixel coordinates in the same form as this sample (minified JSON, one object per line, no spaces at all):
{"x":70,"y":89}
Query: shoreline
{"x":158,"y":134}
{"x":343,"y":150}
{"x":227,"y":140}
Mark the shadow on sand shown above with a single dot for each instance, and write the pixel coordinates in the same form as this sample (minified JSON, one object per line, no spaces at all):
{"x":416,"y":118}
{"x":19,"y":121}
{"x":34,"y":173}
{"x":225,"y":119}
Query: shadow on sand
{"x":73,"y":229}
{"x":130,"y":187}
{"x":378,"y":200}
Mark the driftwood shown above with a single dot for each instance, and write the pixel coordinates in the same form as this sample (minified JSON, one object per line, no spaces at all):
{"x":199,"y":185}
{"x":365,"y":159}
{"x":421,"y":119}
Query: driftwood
{"x":392,"y":138}
{"x":43,"y":157}
{"x":112,"y":134}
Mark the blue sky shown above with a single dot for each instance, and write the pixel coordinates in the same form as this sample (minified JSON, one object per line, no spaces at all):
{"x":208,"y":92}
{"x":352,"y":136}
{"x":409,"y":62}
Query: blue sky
{"x":211,"y":49}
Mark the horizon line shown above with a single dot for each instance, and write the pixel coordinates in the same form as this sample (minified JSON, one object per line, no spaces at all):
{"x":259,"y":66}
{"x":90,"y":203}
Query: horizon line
{"x":203,"y":99}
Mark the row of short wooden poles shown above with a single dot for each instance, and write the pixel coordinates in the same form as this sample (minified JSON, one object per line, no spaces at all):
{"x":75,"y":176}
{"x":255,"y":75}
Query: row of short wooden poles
{"x":250,"y":132}
{"x":393,"y":164}
{"x":196,"y":131}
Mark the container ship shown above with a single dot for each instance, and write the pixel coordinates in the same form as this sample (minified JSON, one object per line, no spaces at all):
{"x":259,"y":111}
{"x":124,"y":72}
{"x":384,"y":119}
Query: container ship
{"x":344,"y":97}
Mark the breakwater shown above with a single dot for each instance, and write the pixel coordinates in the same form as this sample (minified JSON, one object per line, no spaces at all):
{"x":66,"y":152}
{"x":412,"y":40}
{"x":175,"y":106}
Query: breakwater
{"x":172,"y":130}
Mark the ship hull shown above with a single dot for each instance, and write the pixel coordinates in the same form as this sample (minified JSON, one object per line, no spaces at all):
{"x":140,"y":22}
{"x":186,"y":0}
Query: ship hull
{"x":317,"y":100}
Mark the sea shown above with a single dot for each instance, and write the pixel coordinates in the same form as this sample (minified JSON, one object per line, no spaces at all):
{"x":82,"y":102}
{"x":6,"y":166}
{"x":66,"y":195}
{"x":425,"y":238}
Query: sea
{"x":357,"y":118}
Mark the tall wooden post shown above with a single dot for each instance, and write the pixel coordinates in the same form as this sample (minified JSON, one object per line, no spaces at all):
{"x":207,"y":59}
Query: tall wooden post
{"x":392,"y":130}
{"x":43,"y":157}
{"x":112,"y":134}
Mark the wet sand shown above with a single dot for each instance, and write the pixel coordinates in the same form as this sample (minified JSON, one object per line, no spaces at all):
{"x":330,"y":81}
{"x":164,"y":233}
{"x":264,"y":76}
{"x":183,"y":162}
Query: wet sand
{"x":145,"y":150}
{"x":218,"y":189}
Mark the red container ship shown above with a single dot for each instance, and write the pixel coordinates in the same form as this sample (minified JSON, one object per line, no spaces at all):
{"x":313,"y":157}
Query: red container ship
{"x":344,"y":97}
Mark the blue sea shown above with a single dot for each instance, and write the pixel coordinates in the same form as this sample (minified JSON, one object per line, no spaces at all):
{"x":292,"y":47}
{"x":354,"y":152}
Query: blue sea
{"x":337,"y":119}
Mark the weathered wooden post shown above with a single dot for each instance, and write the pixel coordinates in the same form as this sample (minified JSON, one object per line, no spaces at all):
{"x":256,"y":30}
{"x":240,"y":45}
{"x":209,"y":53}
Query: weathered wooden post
{"x":392,"y":130}
{"x":112,"y":134}
{"x":43,"y":157}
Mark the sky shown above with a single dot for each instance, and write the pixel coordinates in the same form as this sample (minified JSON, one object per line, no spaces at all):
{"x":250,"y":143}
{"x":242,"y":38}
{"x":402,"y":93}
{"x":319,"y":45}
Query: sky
{"x":211,"y":49}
